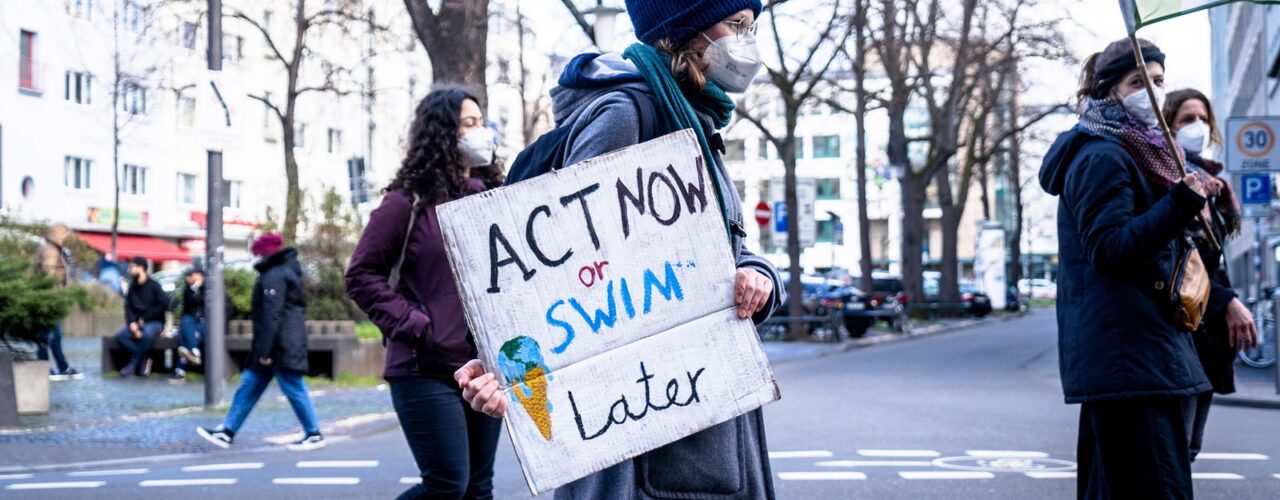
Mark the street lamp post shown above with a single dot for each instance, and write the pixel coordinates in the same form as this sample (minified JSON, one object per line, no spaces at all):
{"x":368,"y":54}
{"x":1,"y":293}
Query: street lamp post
{"x":215,"y":352}
{"x":605,"y":25}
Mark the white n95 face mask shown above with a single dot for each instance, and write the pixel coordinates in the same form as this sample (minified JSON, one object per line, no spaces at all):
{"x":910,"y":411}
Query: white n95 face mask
{"x":1194,"y":137}
{"x":1139,"y":107}
{"x":477,"y":147}
{"x":733,"y":61}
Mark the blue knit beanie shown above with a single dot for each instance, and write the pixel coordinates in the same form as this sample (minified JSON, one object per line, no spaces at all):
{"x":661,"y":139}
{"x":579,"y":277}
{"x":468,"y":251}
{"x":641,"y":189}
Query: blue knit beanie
{"x":680,"y":20}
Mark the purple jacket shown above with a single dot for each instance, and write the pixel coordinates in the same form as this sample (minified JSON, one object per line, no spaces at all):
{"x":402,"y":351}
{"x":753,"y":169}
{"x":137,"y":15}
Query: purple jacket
{"x":422,"y":322}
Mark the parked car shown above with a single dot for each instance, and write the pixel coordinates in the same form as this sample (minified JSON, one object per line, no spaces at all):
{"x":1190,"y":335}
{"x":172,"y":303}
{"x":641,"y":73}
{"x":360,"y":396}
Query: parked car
{"x":887,"y":294}
{"x":974,"y":302}
{"x":1038,"y":288}
{"x":823,"y":296}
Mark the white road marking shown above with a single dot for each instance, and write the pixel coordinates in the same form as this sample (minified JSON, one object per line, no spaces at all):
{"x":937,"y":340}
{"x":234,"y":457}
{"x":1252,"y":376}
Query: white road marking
{"x":1215,"y":475}
{"x":10,"y":477}
{"x":874,"y":463}
{"x":931,"y":474}
{"x":1277,"y":476}
{"x":899,"y":453}
{"x":317,"y":481}
{"x":1048,"y":474}
{"x":55,"y":486}
{"x":1005,"y":454}
{"x":218,"y":467}
{"x":335,"y":464}
{"x":821,"y":476}
{"x":117,"y":472}
{"x":411,"y":480}
{"x":151,"y":483}
{"x":1231,"y":456}
{"x":800,"y":454}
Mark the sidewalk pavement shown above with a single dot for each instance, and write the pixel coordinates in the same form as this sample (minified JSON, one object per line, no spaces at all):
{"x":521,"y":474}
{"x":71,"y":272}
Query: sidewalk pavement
{"x":1255,"y":388}
{"x":107,"y":418}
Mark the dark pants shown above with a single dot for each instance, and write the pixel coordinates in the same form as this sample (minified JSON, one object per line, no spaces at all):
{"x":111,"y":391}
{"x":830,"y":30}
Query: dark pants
{"x":138,"y":347}
{"x":52,"y":342}
{"x":1199,"y":416}
{"x":192,"y":335}
{"x":1134,"y":449}
{"x":453,"y":445}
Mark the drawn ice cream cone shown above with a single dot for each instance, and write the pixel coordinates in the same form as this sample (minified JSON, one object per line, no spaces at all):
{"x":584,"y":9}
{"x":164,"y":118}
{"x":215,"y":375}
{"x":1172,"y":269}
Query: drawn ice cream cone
{"x":536,"y":402}
{"x":520,"y":361}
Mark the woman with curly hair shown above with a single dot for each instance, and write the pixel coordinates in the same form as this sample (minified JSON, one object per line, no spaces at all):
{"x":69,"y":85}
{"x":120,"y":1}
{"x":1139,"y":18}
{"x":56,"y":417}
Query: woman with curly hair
{"x":399,"y":275}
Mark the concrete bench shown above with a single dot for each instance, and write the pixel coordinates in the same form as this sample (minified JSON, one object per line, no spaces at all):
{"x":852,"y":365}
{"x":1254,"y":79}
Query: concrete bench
{"x":332,"y":350}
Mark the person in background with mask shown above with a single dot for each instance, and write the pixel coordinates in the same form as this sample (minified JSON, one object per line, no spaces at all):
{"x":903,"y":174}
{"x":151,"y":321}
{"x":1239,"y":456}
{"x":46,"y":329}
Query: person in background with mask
{"x":1124,"y":210}
{"x":1228,"y":324}
{"x":144,"y":310}
{"x":693,"y":54}
{"x":400,"y":277}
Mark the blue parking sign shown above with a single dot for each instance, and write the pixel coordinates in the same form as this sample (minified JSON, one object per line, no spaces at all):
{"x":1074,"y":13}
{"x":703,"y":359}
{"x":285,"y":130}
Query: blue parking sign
{"x":1255,"y":188}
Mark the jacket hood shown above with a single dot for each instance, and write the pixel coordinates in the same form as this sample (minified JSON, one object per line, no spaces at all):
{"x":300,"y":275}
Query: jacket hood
{"x":588,"y":76}
{"x":1053,"y":172}
{"x":287,"y":257}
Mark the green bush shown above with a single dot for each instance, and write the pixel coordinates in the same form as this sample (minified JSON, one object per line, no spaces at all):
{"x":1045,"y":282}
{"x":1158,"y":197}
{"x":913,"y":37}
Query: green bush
{"x":239,"y":286}
{"x":366,"y":330}
{"x":30,"y":302}
{"x":324,"y":256}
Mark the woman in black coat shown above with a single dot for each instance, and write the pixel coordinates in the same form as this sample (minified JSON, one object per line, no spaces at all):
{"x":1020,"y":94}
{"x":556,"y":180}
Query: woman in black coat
{"x":279,"y":347}
{"x":1124,"y":211}
{"x":1228,"y":325}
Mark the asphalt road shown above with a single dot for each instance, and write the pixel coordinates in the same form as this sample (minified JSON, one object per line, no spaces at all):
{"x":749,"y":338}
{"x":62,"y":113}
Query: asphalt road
{"x":972,"y":414}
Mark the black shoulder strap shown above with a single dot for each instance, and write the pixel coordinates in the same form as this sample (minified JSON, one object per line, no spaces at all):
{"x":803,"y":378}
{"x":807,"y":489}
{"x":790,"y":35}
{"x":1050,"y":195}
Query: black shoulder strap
{"x":394,"y":278}
{"x":650,"y":120}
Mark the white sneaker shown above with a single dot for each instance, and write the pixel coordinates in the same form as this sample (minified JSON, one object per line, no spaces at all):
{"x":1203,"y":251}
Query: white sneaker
{"x":309,"y":442}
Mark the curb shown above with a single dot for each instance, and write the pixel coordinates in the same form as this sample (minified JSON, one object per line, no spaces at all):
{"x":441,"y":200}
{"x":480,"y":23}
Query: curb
{"x":1272,"y":403}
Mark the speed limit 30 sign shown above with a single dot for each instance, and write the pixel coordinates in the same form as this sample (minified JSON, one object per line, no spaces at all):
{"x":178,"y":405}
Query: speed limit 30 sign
{"x":1251,"y":144}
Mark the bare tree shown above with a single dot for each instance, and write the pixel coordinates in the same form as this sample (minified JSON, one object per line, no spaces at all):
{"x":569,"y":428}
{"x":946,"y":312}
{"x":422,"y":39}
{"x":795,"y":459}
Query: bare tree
{"x":861,"y":28}
{"x":536,"y":107}
{"x":456,"y":38}
{"x":796,"y":79}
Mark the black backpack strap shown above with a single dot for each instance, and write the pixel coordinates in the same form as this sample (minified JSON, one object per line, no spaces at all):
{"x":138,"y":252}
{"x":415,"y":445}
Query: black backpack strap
{"x":647,"y":107}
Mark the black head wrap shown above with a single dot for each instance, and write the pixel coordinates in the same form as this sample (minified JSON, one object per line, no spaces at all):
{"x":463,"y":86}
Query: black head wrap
{"x":1108,"y":73}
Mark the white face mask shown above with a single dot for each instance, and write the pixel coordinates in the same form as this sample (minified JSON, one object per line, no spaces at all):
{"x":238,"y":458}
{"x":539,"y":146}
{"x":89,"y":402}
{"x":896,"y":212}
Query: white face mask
{"x":733,"y":61}
{"x":1194,"y":137}
{"x":1139,"y":106}
{"x":477,"y":147}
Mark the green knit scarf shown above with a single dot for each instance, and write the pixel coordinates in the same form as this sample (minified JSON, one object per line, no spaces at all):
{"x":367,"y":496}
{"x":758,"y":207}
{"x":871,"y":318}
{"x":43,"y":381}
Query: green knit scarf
{"x":678,"y":109}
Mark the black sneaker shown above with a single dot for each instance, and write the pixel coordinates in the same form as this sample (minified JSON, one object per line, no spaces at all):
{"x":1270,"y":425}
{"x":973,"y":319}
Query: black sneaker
{"x":219,"y":436}
{"x":128,"y":371}
{"x":69,"y":374}
{"x":308,"y":442}
{"x":191,"y":355}
{"x":179,"y":375}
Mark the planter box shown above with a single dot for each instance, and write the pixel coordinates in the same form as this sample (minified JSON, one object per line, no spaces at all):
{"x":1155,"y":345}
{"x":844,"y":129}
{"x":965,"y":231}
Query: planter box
{"x":81,"y":323}
{"x":31,"y":385}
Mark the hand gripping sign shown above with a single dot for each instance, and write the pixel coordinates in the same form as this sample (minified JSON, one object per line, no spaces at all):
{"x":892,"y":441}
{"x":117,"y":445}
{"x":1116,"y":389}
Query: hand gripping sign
{"x":602,"y":294}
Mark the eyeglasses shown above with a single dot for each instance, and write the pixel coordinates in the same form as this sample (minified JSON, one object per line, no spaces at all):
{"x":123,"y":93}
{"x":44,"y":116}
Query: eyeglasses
{"x":742,"y":27}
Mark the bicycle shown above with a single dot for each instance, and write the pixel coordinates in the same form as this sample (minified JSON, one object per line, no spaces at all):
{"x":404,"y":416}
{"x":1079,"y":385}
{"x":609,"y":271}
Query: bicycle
{"x":1263,"y":355}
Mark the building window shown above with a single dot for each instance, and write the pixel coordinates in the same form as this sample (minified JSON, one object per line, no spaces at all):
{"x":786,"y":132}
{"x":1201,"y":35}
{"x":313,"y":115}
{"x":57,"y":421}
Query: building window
{"x":187,"y":111}
{"x":133,"y":180}
{"x":186,"y":188}
{"x":232,"y":48}
{"x":763,"y":152}
{"x":826,"y":146}
{"x":27,"y":60}
{"x":267,"y":17}
{"x":735,"y":150}
{"x":79,"y":85}
{"x":413,"y":87}
{"x":799,"y":148}
{"x":231,"y":194}
{"x":187,"y":35}
{"x":269,"y":119}
{"x":76,"y":173}
{"x":828,"y":189}
{"x":133,"y":98}
{"x":826,"y":231}
{"x":335,"y":140}
{"x":741,"y":188}
{"x":82,"y":9}
{"x":299,"y":135}
{"x":134,"y":16}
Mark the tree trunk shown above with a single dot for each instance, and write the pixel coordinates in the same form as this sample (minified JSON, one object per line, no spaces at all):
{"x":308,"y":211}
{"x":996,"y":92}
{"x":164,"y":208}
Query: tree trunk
{"x":914,"y":190}
{"x":456,"y":39}
{"x":860,"y":152}
{"x":293,"y":193}
{"x":1015,"y":174}
{"x":795,"y":289}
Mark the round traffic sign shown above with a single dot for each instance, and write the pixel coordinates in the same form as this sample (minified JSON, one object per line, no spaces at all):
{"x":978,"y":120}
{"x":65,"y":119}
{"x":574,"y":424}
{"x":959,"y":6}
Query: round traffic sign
{"x":1255,"y":139}
{"x":763,"y":213}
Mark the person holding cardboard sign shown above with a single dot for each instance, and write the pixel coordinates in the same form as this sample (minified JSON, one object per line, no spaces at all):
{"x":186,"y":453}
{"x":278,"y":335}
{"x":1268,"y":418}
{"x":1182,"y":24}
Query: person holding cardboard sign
{"x":693,"y":54}
{"x":450,"y":155}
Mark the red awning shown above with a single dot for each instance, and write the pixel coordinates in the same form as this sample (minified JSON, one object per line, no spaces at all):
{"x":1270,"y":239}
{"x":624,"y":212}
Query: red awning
{"x":131,"y":245}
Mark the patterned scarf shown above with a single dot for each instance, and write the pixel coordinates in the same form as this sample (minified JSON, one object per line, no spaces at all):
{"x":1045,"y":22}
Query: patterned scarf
{"x":1146,"y":145}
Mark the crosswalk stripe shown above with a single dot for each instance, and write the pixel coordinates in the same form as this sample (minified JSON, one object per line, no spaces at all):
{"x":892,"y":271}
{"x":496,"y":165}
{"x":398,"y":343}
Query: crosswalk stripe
{"x":1215,"y":475}
{"x":411,"y":480}
{"x":899,"y":453}
{"x":1047,"y":474}
{"x":800,"y":454}
{"x":117,"y":472}
{"x":945,"y":475}
{"x":317,"y":481}
{"x":1231,"y":456}
{"x":221,"y":467}
{"x":151,"y":483}
{"x":10,"y":477}
{"x":55,"y":486}
{"x":875,"y":463}
{"x":1006,"y":454}
{"x":329,"y":464}
{"x":1277,"y":476}
{"x":821,"y":476}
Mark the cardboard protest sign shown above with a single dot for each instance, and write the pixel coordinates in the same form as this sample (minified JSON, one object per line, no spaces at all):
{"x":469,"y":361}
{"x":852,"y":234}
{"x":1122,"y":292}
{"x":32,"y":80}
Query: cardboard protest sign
{"x":602,"y":294}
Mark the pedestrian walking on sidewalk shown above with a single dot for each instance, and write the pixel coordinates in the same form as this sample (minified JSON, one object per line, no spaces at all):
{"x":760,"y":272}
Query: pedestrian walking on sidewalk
{"x":55,"y":261}
{"x":692,"y":55}
{"x":144,"y":311}
{"x":1124,"y":211}
{"x":279,"y":348}
{"x":400,"y":277}
{"x":1228,"y":324}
